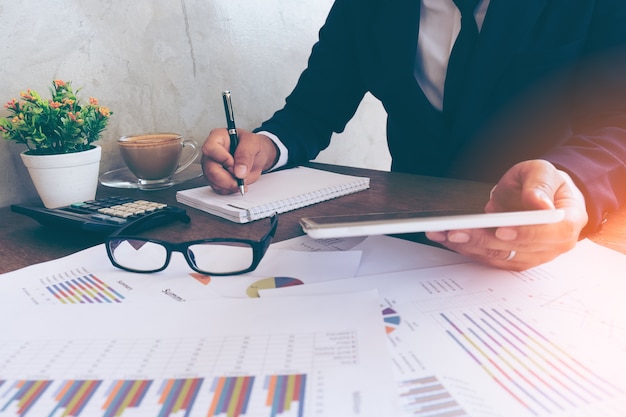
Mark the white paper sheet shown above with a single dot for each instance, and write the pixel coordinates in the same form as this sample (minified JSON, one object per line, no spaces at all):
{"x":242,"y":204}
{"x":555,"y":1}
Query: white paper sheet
{"x":88,"y":277}
{"x":174,"y":359}
{"x":472,"y":340}
{"x":381,"y":254}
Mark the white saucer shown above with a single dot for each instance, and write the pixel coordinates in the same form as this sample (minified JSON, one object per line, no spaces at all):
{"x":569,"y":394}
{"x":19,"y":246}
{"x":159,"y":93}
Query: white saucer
{"x":123,"y":178}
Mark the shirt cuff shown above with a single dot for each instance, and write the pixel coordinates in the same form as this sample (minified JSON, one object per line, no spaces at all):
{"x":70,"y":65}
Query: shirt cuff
{"x":283,"y":156}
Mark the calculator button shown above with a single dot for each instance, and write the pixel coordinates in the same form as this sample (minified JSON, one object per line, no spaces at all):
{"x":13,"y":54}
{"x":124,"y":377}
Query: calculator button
{"x":116,"y":220}
{"x":123,"y":214}
{"x":95,"y":215}
{"x":100,"y":217}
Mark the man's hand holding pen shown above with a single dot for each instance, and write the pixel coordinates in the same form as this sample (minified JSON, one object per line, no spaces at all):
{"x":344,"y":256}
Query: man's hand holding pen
{"x":232,"y":158}
{"x":233,"y":135}
{"x":255,"y":153}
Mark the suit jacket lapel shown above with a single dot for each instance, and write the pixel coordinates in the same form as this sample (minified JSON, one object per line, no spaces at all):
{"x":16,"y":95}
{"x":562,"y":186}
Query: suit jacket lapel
{"x":505,"y":31}
{"x":395,"y":32}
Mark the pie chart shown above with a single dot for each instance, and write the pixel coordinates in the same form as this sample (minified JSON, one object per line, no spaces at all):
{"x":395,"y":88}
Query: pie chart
{"x":391,"y":319}
{"x":271,"y":283}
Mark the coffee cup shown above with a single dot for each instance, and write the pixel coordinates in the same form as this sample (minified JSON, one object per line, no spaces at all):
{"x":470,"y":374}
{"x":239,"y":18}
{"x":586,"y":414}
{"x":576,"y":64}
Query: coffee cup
{"x":154,"y":158}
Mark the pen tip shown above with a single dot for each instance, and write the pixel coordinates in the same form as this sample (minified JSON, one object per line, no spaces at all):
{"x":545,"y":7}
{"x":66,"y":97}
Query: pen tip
{"x":241,"y":190}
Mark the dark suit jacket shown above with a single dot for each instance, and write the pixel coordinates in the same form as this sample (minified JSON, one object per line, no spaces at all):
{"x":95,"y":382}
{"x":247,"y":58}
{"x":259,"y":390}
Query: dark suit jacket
{"x":548,"y":81}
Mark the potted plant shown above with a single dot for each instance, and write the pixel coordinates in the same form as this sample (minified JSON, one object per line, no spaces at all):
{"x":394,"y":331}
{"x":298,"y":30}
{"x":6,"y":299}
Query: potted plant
{"x":59,"y":133}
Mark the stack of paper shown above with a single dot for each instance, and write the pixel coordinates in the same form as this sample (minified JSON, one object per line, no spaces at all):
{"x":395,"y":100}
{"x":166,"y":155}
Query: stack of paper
{"x":372,"y":326}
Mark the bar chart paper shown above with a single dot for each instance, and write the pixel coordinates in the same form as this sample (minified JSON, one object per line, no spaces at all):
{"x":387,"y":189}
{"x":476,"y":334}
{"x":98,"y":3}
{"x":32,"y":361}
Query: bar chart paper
{"x":224,"y":358}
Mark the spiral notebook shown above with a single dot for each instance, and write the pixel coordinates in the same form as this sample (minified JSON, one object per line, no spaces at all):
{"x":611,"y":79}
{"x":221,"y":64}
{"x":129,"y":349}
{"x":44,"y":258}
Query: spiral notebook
{"x":275,"y":192}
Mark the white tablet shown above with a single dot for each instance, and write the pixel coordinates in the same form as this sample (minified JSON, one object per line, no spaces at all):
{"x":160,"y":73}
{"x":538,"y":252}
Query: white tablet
{"x":409,"y":222}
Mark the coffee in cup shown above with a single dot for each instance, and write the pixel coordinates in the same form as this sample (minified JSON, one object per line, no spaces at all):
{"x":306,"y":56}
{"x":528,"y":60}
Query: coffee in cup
{"x":154,"y":158}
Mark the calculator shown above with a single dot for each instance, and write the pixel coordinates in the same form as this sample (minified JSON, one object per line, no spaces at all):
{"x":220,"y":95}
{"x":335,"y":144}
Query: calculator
{"x":102,"y":216}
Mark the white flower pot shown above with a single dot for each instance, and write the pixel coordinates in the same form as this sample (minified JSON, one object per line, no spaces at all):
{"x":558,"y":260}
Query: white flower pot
{"x":64,"y":179}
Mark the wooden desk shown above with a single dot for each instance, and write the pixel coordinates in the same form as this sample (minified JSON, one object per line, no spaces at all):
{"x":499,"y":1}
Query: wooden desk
{"x":24,"y":242}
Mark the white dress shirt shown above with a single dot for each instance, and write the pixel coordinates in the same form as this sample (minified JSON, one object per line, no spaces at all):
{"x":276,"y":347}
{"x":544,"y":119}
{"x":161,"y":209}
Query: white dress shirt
{"x":440,"y":23}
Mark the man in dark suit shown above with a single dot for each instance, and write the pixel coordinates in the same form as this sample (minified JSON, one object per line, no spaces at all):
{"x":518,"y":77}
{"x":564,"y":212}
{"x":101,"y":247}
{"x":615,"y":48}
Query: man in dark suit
{"x":538,"y":108}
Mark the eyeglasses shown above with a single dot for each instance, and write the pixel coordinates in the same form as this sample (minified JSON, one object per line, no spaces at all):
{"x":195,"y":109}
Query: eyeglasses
{"x":220,"y":256}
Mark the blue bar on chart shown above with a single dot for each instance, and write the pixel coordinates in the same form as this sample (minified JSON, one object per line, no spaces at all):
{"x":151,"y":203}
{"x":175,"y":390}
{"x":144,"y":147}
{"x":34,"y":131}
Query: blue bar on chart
{"x":428,"y":397}
{"x":178,"y":394}
{"x":73,"y":395}
{"x":283,"y":391}
{"x":123,"y":394}
{"x":85,"y":289}
{"x":231,"y":395}
{"x":534,"y":371}
{"x":27,"y":393}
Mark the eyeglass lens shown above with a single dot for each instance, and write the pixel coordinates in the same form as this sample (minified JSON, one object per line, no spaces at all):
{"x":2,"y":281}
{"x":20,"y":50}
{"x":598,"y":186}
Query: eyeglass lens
{"x":138,"y":255}
{"x":221,"y":257}
{"x":208,"y":257}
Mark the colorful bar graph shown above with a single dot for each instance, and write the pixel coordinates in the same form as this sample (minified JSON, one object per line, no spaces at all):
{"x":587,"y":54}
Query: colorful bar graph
{"x":231,"y":395}
{"x":85,"y":289}
{"x":283,"y":390}
{"x":26,"y":395}
{"x":124,"y":394}
{"x":177,"y":395}
{"x":428,"y":397}
{"x":539,"y":375}
{"x":72,"y":396}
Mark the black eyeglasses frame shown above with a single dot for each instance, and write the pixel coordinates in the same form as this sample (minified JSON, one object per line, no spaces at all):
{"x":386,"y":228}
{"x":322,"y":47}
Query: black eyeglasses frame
{"x":259,"y":247}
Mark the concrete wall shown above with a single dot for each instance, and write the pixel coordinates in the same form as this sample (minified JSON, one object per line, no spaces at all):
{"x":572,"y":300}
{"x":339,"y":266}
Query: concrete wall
{"x":160,"y":65}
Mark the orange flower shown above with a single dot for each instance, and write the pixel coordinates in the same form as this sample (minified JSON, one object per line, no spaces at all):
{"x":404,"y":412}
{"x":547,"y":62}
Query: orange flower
{"x":11,"y":104}
{"x":27,"y":95}
{"x":104,"y":111}
{"x":41,"y":124}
